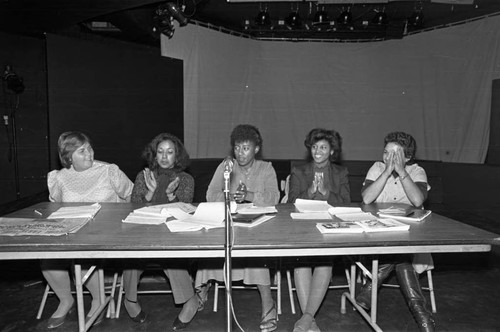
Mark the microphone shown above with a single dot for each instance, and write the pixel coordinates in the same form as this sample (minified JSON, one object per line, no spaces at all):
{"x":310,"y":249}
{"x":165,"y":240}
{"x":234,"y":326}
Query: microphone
{"x":228,"y":164}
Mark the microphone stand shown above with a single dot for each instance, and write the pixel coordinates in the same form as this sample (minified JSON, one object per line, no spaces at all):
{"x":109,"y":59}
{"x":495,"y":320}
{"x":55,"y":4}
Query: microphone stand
{"x":227,"y":248}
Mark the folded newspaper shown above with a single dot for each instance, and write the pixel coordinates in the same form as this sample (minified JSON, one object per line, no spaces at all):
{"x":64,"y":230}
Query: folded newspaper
{"x":43,"y":227}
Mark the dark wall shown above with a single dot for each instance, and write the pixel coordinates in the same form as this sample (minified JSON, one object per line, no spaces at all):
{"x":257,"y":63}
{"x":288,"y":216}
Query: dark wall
{"x":493,"y":156}
{"x":120,"y":94}
{"x":26,"y":55}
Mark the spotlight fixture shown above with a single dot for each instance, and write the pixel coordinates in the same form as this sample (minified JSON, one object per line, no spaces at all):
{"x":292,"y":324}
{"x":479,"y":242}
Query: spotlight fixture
{"x":345,"y":18}
{"x":321,"y":16}
{"x":293,"y":20}
{"x":263,"y":18}
{"x":13,"y":83}
{"x":163,"y":17}
{"x":416,"y":19}
{"x":380,"y":18}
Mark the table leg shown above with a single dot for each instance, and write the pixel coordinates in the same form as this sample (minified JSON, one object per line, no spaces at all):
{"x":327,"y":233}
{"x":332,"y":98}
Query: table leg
{"x":103,"y":299}
{"x":373,"y":313}
{"x":79,"y":297}
{"x":372,"y":318}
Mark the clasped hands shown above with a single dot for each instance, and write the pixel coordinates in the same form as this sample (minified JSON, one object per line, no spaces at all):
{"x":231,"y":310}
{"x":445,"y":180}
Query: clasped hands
{"x":240,"y":194}
{"x":317,"y":185}
{"x":151,"y":184}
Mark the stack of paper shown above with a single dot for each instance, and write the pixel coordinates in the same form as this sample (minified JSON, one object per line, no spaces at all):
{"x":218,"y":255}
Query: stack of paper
{"x":311,"y":209}
{"x":252,"y":209}
{"x":145,"y":218}
{"x":309,"y":205}
{"x":161,"y":208}
{"x":405,"y":215}
{"x":351,"y":214}
{"x":82,"y":211}
{"x":157,"y":214}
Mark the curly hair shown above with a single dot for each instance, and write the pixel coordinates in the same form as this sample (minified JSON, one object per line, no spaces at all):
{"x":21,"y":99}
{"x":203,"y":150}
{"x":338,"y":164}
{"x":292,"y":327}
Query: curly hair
{"x":331,"y":136}
{"x":68,"y":143}
{"x":406,"y":141}
{"x":246,"y":132}
{"x":181,"y":155}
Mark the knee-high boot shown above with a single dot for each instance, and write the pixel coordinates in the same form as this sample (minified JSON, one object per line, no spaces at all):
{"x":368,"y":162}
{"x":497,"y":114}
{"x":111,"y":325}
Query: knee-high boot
{"x":412,"y":292}
{"x":364,"y":298}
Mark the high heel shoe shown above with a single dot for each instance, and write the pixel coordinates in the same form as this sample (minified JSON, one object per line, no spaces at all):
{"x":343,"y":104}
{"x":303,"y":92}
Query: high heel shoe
{"x":54,"y":322}
{"x":269,"y":322}
{"x":179,"y":325}
{"x":141,"y":316}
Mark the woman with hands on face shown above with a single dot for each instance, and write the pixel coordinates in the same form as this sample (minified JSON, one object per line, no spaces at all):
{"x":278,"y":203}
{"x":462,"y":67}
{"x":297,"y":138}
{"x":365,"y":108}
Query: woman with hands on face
{"x":398,"y":179}
{"x":397,"y":166}
{"x":164,"y":181}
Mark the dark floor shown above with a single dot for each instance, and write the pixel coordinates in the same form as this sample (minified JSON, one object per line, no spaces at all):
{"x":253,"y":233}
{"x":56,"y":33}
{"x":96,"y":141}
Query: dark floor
{"x":467,"y":295}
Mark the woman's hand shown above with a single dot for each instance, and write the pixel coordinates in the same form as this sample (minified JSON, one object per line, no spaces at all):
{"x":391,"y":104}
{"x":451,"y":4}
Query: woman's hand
{"x":149,"y":179}
{"x":240,"y":194}
{"x":313,"y":187}
{"x":171,"y":188}
{"x":400,"y":162}
{"x":320,"y":185}
{"x":389,"y":164}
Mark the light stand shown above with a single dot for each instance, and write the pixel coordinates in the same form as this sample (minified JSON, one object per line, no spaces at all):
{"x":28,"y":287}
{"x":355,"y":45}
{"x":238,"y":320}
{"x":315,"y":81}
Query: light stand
{"x":13,"y":84}
{"x":14,"y":147}
{"x":227,"y":248}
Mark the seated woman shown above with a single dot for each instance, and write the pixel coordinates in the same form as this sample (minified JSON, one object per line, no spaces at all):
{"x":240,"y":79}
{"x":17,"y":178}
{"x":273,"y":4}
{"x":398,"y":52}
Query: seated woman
{"x":320,"y":179}
{"x":164,"y":181}
{"x":82,"y":179}
{"x":261,"y":188}
{"x":398,"y":179}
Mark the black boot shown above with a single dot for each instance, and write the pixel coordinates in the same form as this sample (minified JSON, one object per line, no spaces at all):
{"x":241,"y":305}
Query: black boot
{"x":412,"y":292}
{"x":364,"y":297}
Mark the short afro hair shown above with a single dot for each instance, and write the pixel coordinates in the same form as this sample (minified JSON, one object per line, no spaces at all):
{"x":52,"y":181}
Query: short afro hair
{"x":246,"y":132}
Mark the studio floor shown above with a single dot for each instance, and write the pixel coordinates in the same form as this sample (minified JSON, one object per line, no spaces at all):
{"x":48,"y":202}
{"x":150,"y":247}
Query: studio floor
{"x":467,"y":296}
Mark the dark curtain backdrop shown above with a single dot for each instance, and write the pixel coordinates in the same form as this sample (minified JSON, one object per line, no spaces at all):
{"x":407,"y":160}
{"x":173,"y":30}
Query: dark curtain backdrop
{"x":120,"y":94}
{"x":26,"y":55}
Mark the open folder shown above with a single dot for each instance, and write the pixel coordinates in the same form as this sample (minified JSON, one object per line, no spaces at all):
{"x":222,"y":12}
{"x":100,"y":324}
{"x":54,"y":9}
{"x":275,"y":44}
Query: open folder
{"x":207,"y":215}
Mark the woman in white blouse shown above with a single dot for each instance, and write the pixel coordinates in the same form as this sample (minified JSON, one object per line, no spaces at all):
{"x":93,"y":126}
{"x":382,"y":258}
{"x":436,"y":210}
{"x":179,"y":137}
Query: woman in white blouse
{"x":82,"y":179}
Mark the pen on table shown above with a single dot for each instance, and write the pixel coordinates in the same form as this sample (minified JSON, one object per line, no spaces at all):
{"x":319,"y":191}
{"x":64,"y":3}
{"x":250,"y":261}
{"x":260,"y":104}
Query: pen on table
{"x":38,"y":212}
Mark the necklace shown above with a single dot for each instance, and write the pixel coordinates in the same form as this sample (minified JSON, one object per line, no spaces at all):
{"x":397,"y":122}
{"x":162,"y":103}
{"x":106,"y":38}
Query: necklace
{"x":246,"y":171}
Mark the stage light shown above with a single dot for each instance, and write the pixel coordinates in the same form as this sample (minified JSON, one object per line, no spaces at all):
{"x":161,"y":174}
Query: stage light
{"x":321,"y":16}
{"x":163,"y":17}
{"x":12,"y":83}
{"x":345,"y":18}
{"x":416,"y":19}
{"x":263,"y":18}
{"x":380,"y":18}
{"x":293,"y":20}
